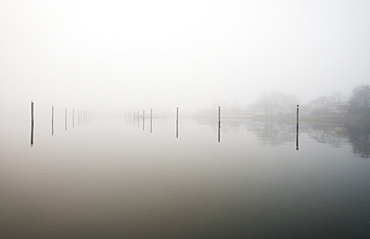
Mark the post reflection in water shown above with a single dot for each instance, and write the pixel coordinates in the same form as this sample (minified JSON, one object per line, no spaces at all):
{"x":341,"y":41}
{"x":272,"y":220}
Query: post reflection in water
{"x":296,"y":140}
{"x":32,"y":128}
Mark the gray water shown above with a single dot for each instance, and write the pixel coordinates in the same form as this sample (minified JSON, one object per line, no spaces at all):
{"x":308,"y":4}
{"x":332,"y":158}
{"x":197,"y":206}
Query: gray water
{"x":109,"y":178}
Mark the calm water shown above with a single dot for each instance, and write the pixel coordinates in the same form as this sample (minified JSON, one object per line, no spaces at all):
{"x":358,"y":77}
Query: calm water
{"x":112,"y":179}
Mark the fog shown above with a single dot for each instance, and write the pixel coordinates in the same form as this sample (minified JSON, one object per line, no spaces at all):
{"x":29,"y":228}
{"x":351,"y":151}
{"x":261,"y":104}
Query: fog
{"x":124,"y":55}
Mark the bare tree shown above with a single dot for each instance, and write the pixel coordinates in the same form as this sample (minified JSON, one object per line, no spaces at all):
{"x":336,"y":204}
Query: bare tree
{"x":321,"y":105}
{"x":277,"y":102}
{"x":360,"y":100}
{"x":338,"y":97}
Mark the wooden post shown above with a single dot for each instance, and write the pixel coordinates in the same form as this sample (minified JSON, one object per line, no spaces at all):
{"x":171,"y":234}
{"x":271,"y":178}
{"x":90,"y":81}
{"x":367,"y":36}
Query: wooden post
{"x":297,"y":130}
{"x":32,"y":121}
{"x":151,"y":119}
{"x":73,"y":119}
{"x":32,"y":114}
{"x":219,"y":123}
{"x":177,"y":122}
{"x":52,"y":120}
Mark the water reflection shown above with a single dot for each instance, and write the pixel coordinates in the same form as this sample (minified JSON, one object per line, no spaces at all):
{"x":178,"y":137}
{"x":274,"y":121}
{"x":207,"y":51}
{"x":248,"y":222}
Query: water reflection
{"x":297,"y":138}
{"x":334,"y":135}
{"x":251,"y":188}
{"x":358,"y":136}
{"x":32,"y":130}
{"x":337,"y":135}
{"x":272,"y":133}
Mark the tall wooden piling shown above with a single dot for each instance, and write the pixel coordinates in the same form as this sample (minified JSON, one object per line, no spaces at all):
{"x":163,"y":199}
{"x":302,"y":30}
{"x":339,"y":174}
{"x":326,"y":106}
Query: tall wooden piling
{"x":151,"y":119}
{"x":219,"y":124}
{"x":32,"y":122}
{"x":52,"y":120}
{"x":32,"y":114}
{"x":297,"y":130}
{"x":73,"y":118}
{"x":177,"y":122}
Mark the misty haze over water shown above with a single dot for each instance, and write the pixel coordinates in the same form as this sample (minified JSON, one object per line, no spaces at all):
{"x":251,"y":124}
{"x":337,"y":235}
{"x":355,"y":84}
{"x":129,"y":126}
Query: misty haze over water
{"x":195,"y":119}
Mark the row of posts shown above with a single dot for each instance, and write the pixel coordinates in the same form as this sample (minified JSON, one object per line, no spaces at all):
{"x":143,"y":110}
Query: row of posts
{"x":83,"y":116}
{"x":128,"y":118}
{"x":131,"y":117}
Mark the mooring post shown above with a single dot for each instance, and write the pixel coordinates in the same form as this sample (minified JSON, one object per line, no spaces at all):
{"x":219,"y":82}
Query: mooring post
{"x":297,"y":130}
{"x":32,"y":114}
{"x":52,"y":120}
{"x":32,"y":121}
{"x":219,"y":123}
{"x":151,"y":119}
{"x":177,"y":122}
{"x":73,"y":118}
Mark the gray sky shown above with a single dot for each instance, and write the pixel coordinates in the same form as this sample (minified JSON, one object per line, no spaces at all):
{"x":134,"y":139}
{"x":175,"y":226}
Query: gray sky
{"x":141,"y":54}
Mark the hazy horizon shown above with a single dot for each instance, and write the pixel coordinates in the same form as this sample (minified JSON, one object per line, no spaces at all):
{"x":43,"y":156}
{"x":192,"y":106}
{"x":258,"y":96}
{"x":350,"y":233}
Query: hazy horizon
{"x":166,"y":54}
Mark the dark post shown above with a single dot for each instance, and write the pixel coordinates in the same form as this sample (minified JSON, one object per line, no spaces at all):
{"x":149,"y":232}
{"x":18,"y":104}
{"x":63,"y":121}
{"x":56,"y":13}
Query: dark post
{"x":177,"y":122}
{"x":296,"y":144}
{"x":219,"y":123}
{"x":73,"y":119}
{"x":32,"y":114}
{"x":32,"y":121}
{"x":52,"y":120}
{"x":151,"y":119}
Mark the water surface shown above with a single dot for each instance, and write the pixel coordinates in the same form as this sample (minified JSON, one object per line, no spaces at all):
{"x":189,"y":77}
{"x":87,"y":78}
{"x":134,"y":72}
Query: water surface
{"x":112,"y":179}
